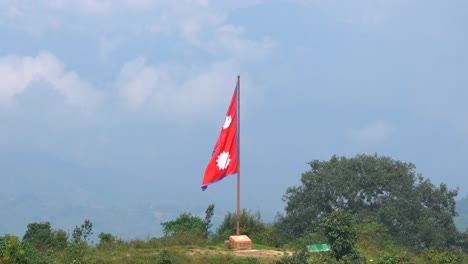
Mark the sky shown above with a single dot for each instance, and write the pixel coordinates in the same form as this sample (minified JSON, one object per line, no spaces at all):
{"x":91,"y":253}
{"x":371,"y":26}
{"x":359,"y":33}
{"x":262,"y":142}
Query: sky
{"x":109,"y":110}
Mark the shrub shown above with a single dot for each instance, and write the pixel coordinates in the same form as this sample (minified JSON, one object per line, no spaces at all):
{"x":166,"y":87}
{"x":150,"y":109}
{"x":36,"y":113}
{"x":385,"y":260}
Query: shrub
{"x":106,"y":238}
{"x":388,"y":258}
{"x":299,"y":257}
{"x":248,"y":260}
{"x":14,"y":252}
{"x":434,"y":256}
{"x":74,"y":253}
{"x":251,"y":225}
{"x":166,"y":258}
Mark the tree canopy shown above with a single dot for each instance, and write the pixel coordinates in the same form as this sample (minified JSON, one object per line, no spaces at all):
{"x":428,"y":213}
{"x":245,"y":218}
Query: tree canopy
{"x":187,"y":222}
{"x":373,"y":188}
{"x":39,"y":235}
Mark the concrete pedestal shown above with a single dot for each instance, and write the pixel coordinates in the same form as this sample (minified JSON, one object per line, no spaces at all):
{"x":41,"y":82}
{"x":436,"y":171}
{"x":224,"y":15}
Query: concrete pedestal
{"x":241,"y":242}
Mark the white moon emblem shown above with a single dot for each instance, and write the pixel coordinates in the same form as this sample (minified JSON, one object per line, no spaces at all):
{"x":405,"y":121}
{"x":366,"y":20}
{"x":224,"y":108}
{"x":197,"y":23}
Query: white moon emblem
{"x":227,"y":122}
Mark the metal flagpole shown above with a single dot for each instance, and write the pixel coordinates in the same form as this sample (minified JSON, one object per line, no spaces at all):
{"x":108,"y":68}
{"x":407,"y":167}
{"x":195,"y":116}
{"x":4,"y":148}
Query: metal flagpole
{"x":238,"y":155}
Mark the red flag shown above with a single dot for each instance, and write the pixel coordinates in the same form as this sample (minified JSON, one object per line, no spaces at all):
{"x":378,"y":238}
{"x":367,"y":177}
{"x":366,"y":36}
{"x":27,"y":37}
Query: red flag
{"x":224,"y":160}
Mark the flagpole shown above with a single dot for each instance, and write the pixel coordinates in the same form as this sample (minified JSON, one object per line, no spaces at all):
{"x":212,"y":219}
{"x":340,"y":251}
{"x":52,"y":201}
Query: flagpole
{"x":238,"y":155}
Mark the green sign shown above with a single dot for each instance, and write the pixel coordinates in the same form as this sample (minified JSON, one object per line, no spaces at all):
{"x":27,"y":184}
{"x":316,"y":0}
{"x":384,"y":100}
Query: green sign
{"x":318,"y":248}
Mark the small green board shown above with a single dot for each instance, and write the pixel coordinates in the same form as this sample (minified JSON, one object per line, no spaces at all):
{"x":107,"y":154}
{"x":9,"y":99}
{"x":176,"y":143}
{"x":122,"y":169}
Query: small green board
{"x":318,"y":248}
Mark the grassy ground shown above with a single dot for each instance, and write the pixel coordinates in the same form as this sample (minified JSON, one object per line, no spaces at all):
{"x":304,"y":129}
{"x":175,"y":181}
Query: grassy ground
{"x":126,"y":253}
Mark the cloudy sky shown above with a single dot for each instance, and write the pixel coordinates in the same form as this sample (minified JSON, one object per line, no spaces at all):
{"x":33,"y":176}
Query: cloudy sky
{"x":110,"y":107}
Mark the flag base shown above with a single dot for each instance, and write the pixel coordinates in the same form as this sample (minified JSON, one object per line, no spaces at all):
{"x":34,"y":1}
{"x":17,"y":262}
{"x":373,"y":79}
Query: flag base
{"x":241,"y":242}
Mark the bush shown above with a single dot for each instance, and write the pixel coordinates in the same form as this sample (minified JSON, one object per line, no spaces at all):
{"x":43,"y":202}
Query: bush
{"x":388,"y":258}
{"x":187,"y":222}
{"x":299,"y":257}
{"x":166,"y":258}
{"x":106,"y":240}
{"x":248,"y":260}
{"x":251,"y":225}
{"x":10,"y":248}
{"x":74,"y":253}
{"x":14,"y":252}
{"x":183,"y":239}
{"x":308,"y":239}
{"x":434,"y":256}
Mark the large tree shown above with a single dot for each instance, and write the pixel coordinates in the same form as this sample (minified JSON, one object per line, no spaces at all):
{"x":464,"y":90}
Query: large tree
{"x":373,"y":188}
{"x":39,"y":235}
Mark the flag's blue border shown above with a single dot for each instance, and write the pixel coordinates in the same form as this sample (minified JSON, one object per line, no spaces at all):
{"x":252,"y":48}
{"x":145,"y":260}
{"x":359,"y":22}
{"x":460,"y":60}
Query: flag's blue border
{"x":204,"y":187}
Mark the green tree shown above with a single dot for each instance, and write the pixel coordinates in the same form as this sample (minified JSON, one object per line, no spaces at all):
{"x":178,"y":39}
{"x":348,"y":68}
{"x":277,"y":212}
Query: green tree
{"x":82,"y":234}
{"x":187,"y":222}
{"x":39,"y":235}
{"x":372,"y":188}
{"x":60,"y":239}
{"x":251,"y":224}
{"x":340,"y":233}
{"x":106,"y":238}
{"x":10,"y":247}
{"x":207,"y":223}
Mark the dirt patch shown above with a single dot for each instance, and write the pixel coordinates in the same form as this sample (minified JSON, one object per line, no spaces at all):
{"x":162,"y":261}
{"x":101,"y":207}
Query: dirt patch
{"x":257,"y":253}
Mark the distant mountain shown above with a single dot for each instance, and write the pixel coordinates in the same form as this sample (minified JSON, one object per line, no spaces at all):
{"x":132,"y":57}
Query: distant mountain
{"x":461,"y":220}
{"x":38,"y":188}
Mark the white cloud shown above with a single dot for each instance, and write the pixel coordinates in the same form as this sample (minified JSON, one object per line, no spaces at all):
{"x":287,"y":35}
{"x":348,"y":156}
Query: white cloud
{"x":375,"y":132}
{"x":106,"y":47}
{"x":229,"y":38}
{"x":18,"y":73}
{"x":137,"y":82}
{"x":173,"y":96}
{"x":95,"y":6}
{"x":362,"y":14}
{"x":202,"y":24}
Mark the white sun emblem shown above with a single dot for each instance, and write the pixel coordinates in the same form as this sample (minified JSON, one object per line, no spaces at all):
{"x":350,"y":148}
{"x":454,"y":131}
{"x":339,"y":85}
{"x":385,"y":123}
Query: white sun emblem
{"x":223,"y":160}
{"x":227,"y":122}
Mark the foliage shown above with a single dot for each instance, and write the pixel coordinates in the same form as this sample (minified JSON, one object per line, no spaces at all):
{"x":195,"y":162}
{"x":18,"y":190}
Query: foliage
{"x":251,"y":224}
{"x":186,"y":222}
{"x":364,"y":207}
{"x":248,"y":260}
{"x":74,"y":253}
{"x":308,"y":239}
{"x":39,"y":235}
{"x":340,"y":234}
{"x":60,"y":239}
{"x":166,"y":258}
{"x":81,"y":234}
{"x":10,"y":247}
{"x":388,"y":258}
{"x":182,"y":239}
{"x":434,"y":256}
{"x":207,"y":223}
{"x":299,"y":257}
{"x":106,"y":238}
{"x":14,"y":252}
{"x":373,"y":188}
{"x":462,"y":241}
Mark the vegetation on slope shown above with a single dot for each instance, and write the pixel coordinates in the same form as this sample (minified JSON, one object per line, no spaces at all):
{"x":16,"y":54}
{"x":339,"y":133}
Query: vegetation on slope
{"x":367,"y":208}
